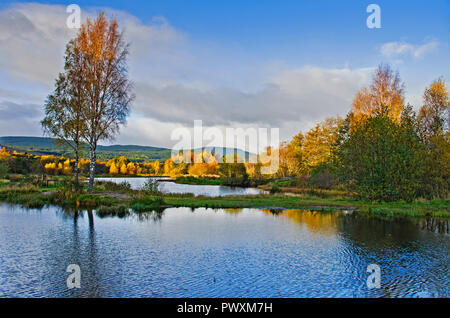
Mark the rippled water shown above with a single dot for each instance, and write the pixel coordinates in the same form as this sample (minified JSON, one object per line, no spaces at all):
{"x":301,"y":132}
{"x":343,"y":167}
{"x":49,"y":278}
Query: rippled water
{"x":220,"y":253}
{"x":172,"y":187}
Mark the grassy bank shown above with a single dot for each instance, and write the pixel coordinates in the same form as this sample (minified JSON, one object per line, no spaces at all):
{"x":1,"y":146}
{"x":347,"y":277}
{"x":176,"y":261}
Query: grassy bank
{"x":198,"y":181}
{"x":107,"y":197}
{"x":419,"y":208}
{"x":114,"y":198}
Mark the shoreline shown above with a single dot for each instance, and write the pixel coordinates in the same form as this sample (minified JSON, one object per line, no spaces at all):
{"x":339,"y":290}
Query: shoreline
{"x":114,"y":197}
{"x":141,"y":201}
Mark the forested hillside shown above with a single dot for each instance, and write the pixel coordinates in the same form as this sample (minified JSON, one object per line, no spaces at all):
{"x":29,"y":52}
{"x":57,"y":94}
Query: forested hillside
{"x":49,"y":146}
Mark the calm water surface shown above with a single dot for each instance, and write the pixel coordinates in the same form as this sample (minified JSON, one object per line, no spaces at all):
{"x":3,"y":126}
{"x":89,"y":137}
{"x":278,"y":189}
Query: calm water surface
{"x":172,"y":187}
{"x":220,"y":253}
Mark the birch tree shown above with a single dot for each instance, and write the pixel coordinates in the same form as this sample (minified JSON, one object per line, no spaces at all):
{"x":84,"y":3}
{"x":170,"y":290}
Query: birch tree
{"x":63,"y":108}
{"x":385,"y":91}
{"x":106,"y":88}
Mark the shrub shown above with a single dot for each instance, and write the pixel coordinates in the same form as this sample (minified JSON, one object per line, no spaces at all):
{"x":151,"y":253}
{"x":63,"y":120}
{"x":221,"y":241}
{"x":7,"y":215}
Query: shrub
{"x":383,"y":160}
{"x":124,"y":186}
{"x":234,"y":182}
{"x":303,"y":181}
{"x":68,"y":184}
{"x":322,"y":177}
{"x":68,"y":191}
{"x":3,"y":170}
{"x":151,"y":186}
{"x":117,"y":187}
{"x":233,"y":174}
{"x":15,"y":177}
{"x":33,"y":180}
{"x":275,"y":189}
{"x":35,"y":203}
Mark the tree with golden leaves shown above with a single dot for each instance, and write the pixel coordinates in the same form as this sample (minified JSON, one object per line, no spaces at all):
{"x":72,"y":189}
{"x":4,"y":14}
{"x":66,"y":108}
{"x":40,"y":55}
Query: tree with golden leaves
{"x":386,"y":90}
{"x":434,"y":115}
{"x":106,"y":88}
{"x":131,"y":168}
{"x":433,"y":128}
{"x":123,"y":169}
{"x":288,"y":160}
{"x":168,"y":166}
{"x":156,"y":167}
{"x":67,"y":168}
{"x":63,"y":108}
{"x":198,"y":169}
{"x":317,"y":145}
{"x":113,"y":169}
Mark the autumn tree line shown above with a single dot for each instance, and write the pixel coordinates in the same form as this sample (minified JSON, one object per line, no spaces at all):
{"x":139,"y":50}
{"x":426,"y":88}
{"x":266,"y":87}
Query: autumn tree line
{"x":383,"y":149}
{"x":17,"y":164}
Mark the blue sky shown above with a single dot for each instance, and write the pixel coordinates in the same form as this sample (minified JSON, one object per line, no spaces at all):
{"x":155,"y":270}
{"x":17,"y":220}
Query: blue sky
{"x":246,"y":53}
{"x":326,"y":32}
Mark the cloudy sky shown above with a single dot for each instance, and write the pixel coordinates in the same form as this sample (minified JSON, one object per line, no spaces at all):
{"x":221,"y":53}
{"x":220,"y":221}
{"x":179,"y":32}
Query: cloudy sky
{"x":254,"y":63}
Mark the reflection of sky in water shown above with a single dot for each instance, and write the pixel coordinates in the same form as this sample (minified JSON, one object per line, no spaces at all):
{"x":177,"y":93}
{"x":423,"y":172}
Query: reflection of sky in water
{"x":219,"y":253}
{"x":172,"y":187}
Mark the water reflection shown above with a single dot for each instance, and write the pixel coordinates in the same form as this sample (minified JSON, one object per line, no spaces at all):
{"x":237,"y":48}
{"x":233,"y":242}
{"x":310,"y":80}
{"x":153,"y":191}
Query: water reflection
{"x":81,"y":250}
{"x":233,"y":211}
{"x":434,"y":225}
{"x":320,"y":222}
{"x":153,"y":216}
{"x":185,"y":252}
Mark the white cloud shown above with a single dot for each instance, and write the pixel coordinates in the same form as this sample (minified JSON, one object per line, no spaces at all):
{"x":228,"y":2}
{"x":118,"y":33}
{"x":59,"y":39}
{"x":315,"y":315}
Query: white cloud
{"x":13,"y":111}
{"x":19,"y":119}
{"x":293,"y":95}
{"x":33,"y":38}
{"x":402,"y":49}
{"x":177,"y":82}
{"x":292,"y":101}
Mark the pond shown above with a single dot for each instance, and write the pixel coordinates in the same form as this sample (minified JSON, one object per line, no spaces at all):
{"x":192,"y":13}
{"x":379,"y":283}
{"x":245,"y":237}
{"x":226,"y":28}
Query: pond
{"x":165,"y":185}
{"x":220,"y":253}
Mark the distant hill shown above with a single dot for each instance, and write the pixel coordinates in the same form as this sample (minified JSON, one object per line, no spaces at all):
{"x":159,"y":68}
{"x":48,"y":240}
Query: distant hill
{"x":48,"y":146}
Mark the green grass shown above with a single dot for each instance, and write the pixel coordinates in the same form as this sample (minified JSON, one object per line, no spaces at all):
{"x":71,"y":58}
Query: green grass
{"x":419,"y":208}
{"x":199,"y":181}
{"x":146,"y":204}
{"x":254,"y":201}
